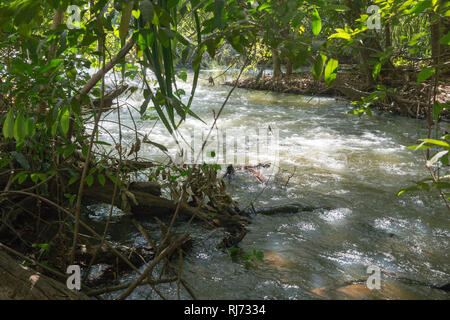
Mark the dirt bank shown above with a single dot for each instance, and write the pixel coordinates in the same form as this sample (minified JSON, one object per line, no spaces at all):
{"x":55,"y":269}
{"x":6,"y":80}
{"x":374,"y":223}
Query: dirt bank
{"x":407,"y":97}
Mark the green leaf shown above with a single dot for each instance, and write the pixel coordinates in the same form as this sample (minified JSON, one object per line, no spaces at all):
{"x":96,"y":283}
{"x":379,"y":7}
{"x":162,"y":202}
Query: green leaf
{"x":212,"y":45}
{"x":34,"y":177}
{"x":436,"y":142}
{"x":90,"y":180}
{"x":437,"y":109}
{"x":263,"y":6}
{"x":74,"y":179}
{"x":44,"y":246}
{"x":437,"y":156}
{"x":441,"y":185}
{"x":159,"y":146}
{"x":21,"y":159}
{"x":182,"y":75}
{"x":125,"y":20}
{"x":31,"y":127}
{"x":22,"y":177}
{"x":425,"y":74}
{"x":54,"y":63}
{"x":185,"y":41}
{"x":101,"y":179}
{"x":8,"y":125}
{"x":20,"y":127}
{"x":418,"y":146}
{"x":330,"y":71}
{"x":341,"y":34}
{"x":65,"y":120}
{"x":318,"y":66}
{"x":409,"y":189}
{"x":219,"y":14}
{"x":136,"y":13}
{"x":445,"y":39}
{"x":421,"y":6}
{"x":316,"y":22}
{"x":376,"y":70}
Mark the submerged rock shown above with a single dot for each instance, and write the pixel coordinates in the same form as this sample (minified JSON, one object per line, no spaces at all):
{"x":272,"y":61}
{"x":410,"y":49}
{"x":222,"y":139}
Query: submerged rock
{"x":287,"y":208}
{"x":358,"y":290}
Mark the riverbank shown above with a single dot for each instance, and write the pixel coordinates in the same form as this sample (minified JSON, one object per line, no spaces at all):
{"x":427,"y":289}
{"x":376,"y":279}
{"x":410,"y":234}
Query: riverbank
{"x":407,"y":98}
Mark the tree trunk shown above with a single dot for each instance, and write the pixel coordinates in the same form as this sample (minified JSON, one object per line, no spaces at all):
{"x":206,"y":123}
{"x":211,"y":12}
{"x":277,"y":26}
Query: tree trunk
{"x":57,"y":20}
{"x":445,"y":49}
{"x":276,"y":64}
{"x":288,"y":68}
{"x":387,"y":34}
{"x":435,"y":45}
{"x":22,"y":283}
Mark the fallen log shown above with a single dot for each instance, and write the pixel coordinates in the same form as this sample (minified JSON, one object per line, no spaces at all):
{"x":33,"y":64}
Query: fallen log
{"x":22,"y":283}
{"x":143,"y":199}
{"x":287,"y":208}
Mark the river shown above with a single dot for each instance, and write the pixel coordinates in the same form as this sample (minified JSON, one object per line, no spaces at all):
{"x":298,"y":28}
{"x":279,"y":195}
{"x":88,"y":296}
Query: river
{"x":349,"y":168}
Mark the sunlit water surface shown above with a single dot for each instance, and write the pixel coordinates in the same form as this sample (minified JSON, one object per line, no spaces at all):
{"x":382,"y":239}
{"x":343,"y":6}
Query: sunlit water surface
{"x":350,"y":168}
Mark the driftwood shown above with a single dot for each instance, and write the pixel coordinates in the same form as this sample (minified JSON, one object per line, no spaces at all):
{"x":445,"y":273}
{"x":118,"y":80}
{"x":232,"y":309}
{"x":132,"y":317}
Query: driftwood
{"x":109,"y":97}
{"x":22,"y":283}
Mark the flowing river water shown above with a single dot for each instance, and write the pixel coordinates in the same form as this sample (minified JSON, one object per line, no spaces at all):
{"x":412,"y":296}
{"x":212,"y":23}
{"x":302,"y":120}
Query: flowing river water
{"x":347,"y":167}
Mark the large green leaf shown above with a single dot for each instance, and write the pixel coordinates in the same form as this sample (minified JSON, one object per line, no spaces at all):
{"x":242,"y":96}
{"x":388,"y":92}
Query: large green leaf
{"x":436,"y":142}
{"x":376,"y":70}
{"x":330,"y":71}
{"x":316,"y":22}
{"x":65,"y":120}
{"x":20,"y":130}
{"x":125,"y":20}
{"x":438,"y":156}
{"x":445,"y":39}
{"x":219,"y":14}
{"x":425,"y":74}
{"x":8,"y":125}
{"x":318,"y":66}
